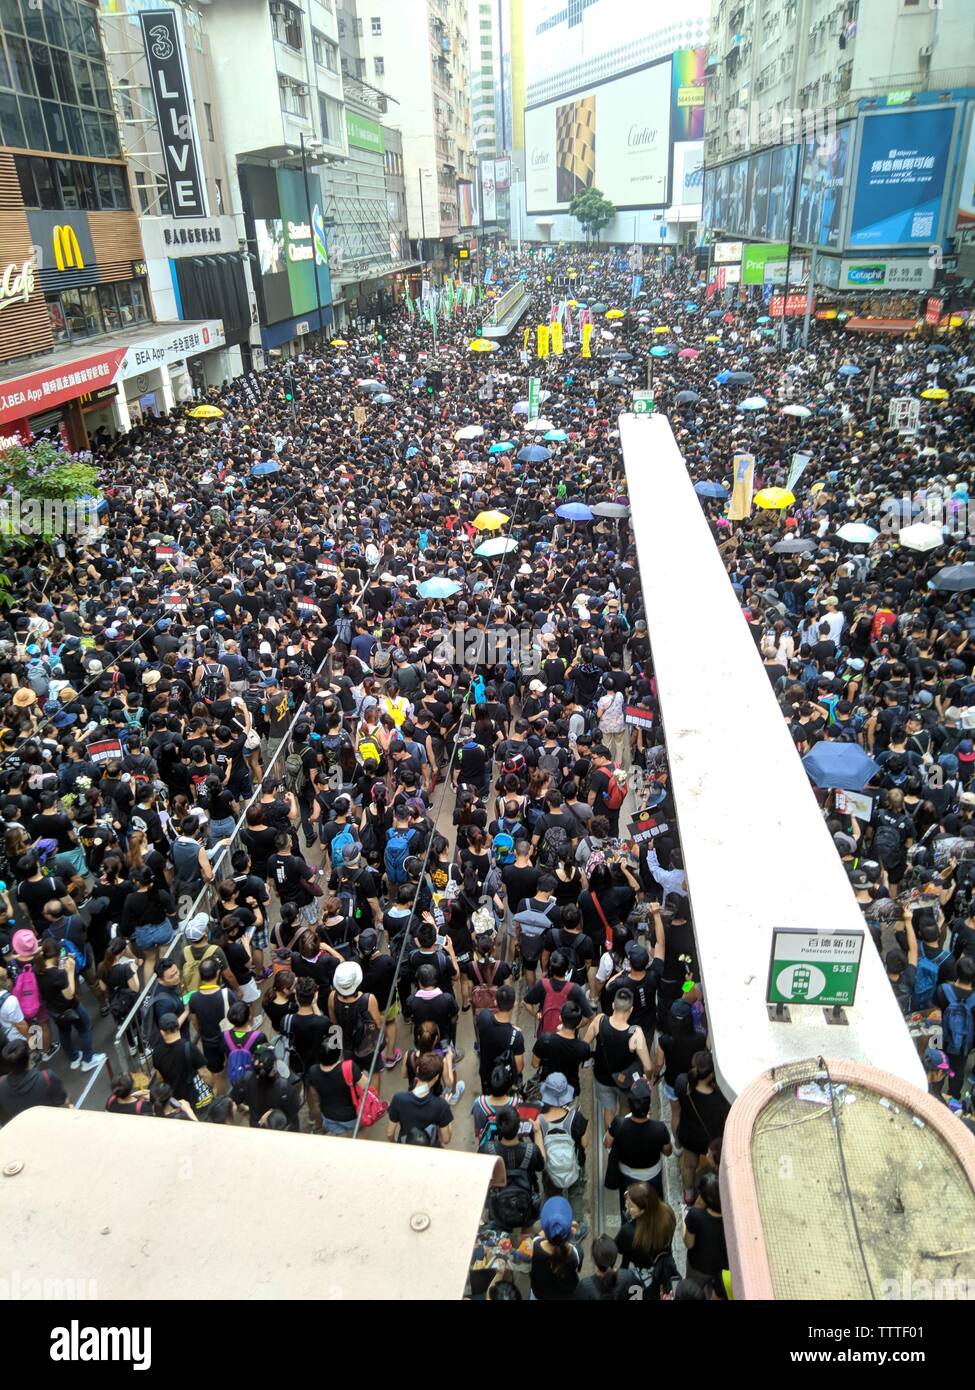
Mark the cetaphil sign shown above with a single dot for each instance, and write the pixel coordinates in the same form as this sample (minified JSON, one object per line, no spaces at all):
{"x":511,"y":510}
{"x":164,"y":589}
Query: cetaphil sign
{"x":16,"y":284}
{"x":174,"y":111}
{"x":896,"y":273}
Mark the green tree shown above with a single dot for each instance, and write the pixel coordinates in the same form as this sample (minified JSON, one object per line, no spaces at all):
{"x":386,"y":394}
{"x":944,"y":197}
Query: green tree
{"x":39,"y":472}
{"x":592,"y":211}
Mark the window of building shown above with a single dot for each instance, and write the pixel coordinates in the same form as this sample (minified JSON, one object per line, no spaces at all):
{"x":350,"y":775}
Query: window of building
{"x":153,"y":195}
{"x":376,"y":25}
{"x":59,"y":326}
{"x":286,"y":24}
{"x":218,"y":190}
{"x":73,"y":314}
{"x":208,"y":115}
{"x":110,"y":314}
{"x":71,"y":183}
{"x":84,"y":313}
{"x":293,"y":97}
{"x":326,"y":52}
{"x":358,"y":28}
{"x":323,"y":116}
{"x":380,"y":66}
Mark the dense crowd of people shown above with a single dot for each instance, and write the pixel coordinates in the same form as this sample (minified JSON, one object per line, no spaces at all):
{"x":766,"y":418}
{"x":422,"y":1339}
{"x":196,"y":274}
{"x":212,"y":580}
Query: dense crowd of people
{"x":435,"y":602}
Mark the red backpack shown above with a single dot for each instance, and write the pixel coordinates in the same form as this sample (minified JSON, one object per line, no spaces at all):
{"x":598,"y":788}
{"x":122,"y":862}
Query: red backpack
{"x":615,"y":793}
{"x":484,"y":996}
{"x":551,"y":1015}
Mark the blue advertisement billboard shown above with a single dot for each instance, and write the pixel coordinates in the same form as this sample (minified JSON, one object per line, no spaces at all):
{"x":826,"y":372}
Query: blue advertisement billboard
{"x":902,"y":171}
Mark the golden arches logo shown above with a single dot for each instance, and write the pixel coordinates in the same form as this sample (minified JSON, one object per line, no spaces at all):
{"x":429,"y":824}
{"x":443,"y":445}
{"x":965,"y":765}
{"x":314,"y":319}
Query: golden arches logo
{"x":67,"y":252}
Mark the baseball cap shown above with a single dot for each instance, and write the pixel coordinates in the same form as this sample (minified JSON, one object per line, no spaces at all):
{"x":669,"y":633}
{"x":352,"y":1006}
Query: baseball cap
{"x":935,"y":1059}
{"x":168,"y":1023}
{"x":966,"y":751}
{"x":637,"y":955}
{"x":368,"y":941}
{"x":351,"y":854}
{"x":556,"y":1218}
{"x":196,"y":927}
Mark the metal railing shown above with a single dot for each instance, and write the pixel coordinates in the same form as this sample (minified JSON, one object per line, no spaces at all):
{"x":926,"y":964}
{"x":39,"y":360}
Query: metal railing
{"x":205,"y":901}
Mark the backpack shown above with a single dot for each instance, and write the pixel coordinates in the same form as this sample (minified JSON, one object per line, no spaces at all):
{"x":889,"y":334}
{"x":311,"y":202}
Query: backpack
{"x":210,"y":682}
{"x":286,"y":1059}
{"x":886,"y":844}
{"x":191,"y":969}
{"x":568,"y":949}
{"x":79,"y":952}
{"x":339,"y":842}
{"x":515,"y":764}
{"x":926,"y":980}
{"x":561,"y":1159}
{"x":504,"y":848}
{"x":373,"y":1109}
{"x":551,"y":1015}
{"x":659,"y":1278}
{"x":554,"y":847}
{"x":343,"y":631}
{"x":240,"y":1061}
{"x":957,"y":1024}
{"x":27,"y":993}
{"x":489,"y":1133}
{"x":615,"y":793}
{"x":397,"y":853}
{"x":484,"y":996}
{"x":369,"y":749}
{"x":516,"y":1204}
{"x":548,"y":762}
{"x":294,"y":773}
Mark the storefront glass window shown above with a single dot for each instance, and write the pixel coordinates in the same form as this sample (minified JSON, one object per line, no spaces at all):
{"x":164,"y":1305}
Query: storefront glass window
{"x":10,"y":124}
{"x":91,"y":309}
{"x":58,"y":325}
{"x":110,"y":313}
{"x":35,"y":136}
{"x":73,"y":313}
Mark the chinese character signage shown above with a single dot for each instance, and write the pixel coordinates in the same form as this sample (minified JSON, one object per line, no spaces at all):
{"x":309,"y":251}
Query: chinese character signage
{"x":902,"y":170}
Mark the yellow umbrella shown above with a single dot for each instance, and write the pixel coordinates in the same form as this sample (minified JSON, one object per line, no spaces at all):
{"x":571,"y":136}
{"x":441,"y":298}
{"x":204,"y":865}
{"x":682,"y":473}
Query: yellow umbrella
{"x":482,"y":345}
{"x":817,"y":487}
{"x":571,"y":270}
{"x":614,"y":313}
{"x":935,"y":393}
{"x":774,"y":498}
{"x":205,"y":412}
{"x":339,"y":342}
{"x":573,"y":304}
{"x":713,"y":338}
{"x":490,"y":521}
{"x":661,"y":328}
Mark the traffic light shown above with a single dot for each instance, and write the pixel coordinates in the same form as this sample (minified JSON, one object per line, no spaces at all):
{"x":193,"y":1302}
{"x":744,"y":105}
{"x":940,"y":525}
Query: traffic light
{"x":434,"y":381}
{"x":288,"y":396}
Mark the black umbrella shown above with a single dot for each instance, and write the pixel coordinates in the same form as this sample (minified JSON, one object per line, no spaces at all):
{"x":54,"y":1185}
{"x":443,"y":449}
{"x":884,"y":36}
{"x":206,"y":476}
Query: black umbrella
{"x":614,"y":380}
{"x":955,"y":579}
{"x":741,"y":378}
{"x":940,"y":347}
{"x":794,"y":545}
{"x":623,"y":356}
{"x":688,"y":397}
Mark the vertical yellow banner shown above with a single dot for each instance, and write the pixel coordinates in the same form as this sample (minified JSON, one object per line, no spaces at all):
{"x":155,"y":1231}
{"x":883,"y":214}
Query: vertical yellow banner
{"x":740,"y":506}
{"x":543,"y":340}
{"x":586,"y":335}
{"x":524,"y":343}
{"x":557,"y":338}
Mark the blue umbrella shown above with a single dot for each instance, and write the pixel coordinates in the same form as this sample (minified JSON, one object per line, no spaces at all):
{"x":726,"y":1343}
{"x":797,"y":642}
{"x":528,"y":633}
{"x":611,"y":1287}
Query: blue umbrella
{"x":411,"y":451}
{"x":420,"y":381}
{"x":660,"y":351}
{"x":843,"y":765}
{"x":714,"y":490}
{"x":723,"y":378}
{"x":574,"y":511}
{"x":438,"y":588}
{"x":715,"y":313}
{"x":533,"y":453}
{"x":848,"y":369}
{"x":501,"y":448}
{"x":556,"y":436}
{"x":763,"y":318}
{"x":261,"y":470}
{"x":690,"y":306}
{"x":382,"y":398}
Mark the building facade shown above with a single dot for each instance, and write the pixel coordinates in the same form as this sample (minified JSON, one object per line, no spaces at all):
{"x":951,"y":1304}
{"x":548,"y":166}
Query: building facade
{"x":195,"y":255}
{"x":428,"y":78}
{"x":78,"y":345}
{"x":278,"y":80}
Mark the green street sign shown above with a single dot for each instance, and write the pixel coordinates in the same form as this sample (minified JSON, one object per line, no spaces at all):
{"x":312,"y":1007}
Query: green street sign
{"x":814,"y":967}
{"x":643,"y":403}
{"x":534,"y":397}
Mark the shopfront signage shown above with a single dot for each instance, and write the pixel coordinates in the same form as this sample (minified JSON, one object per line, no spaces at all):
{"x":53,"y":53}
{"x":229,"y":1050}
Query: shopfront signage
{"x":16,"y":283}
{"x":903,"y":273}
{"x":27,"y":395}
{"x":163,"y":42}
{"x":171,"y":347}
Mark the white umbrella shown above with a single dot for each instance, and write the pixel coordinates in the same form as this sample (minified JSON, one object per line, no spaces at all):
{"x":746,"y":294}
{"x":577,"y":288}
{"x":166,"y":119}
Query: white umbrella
{"x":539,"y":425}
{"x":801,"y":412}
{"x":969,"y":389}
{"x":754,"y":403}
{"x":470,"y":432}
{"x":921,"y":536}
{"x":857,"y":533}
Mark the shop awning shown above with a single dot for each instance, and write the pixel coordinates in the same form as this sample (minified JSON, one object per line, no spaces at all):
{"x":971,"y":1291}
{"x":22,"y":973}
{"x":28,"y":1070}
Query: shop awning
{"x":861,"y":325}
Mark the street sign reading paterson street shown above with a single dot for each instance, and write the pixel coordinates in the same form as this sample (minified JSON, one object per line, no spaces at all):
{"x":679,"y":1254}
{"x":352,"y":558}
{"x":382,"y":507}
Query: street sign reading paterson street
{"x":813,"y":967}
{"x":642,"y":402}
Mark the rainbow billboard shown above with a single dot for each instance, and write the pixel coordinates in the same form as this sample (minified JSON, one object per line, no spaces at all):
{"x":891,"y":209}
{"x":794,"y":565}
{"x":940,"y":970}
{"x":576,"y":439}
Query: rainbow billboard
{"x":688,"y":94}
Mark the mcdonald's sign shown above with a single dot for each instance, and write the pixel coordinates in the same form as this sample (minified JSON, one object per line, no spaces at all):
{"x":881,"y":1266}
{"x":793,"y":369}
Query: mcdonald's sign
{"x":67,"y":252}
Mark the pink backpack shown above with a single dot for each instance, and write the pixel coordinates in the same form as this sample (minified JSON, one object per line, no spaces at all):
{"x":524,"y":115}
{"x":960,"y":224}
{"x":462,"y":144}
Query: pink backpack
{"x":27,"y":992}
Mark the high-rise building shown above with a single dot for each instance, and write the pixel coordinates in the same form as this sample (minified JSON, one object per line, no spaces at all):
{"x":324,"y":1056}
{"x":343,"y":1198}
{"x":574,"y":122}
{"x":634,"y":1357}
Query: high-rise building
{"x":484,"y":34}
{"x":423,"y":51}
{"x":768,"y":58}
{"x":79,"y":349}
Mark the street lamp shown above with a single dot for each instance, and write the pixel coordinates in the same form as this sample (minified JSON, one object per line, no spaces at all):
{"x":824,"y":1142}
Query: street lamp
{"x":424,"y":174}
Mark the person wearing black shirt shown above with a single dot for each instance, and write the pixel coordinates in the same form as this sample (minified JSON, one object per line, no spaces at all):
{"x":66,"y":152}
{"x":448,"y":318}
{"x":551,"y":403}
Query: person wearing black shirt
{"x":639,"y":1143}
{"x":498,"y":1040}
{"x":176,"y":1060}
{"x":562,"y":1051}
{"x":22,"y":1088}
{"x":420,"y":1109}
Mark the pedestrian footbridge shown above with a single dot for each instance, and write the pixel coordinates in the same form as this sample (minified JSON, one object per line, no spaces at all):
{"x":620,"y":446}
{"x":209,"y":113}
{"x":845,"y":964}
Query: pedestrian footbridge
{"x":507,"y":310}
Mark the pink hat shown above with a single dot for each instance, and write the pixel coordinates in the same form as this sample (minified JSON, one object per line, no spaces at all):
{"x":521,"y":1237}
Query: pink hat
{"x":24,"y":943}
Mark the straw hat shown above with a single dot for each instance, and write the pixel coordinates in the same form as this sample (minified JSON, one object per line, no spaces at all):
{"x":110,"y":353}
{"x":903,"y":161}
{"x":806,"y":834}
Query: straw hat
{"x":24,"y":697}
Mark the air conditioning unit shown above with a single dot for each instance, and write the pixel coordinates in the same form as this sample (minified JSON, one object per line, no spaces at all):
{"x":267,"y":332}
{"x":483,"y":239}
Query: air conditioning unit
{"x":926,"y":51}
{"x":302,"y":328}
